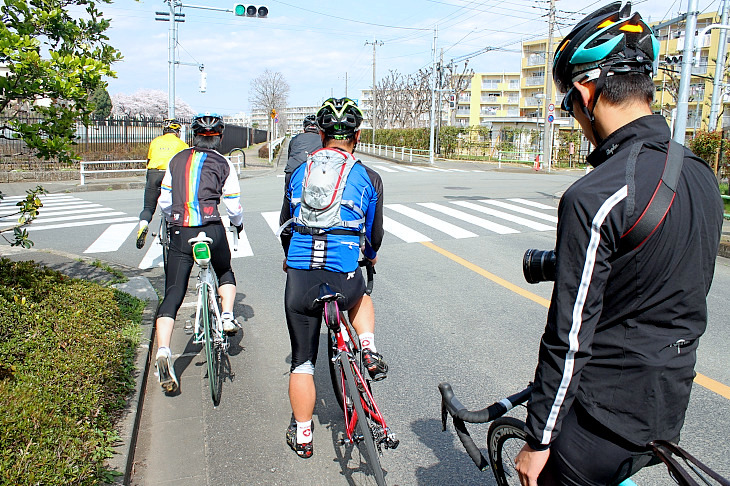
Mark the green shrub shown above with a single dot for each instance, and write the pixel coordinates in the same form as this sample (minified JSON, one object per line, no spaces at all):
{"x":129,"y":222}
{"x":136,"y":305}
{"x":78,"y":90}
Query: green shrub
{"x":66,"y":361}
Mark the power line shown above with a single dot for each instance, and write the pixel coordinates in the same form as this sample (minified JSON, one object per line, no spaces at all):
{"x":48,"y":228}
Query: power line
{"x":329,"y":15}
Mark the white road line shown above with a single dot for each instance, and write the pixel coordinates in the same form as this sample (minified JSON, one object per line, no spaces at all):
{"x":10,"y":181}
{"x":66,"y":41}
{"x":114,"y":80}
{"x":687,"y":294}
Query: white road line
{"x":102,"y":213}
{"x":66,"y":211}
{"x":438,"y":224}
{"x":455,"y":213}
{"x":404,"y":169}
{"x":519,"y":209}
{"x":534,"y":204}
{"x":402,"y":231}
{"x":509,"y":217}
{"x":153,"y":257}
{"x":439,"y":169}
{"x":422,"y":169}
{"x":281,"y":175}
{"x":112,"y":238}
{"x":383,"y":167}
{"x":272,"y":219}
{"x":244,"y":246}
{"x":459,"y":170}
{"x":8,"y":209}
{"x":33,"y":226}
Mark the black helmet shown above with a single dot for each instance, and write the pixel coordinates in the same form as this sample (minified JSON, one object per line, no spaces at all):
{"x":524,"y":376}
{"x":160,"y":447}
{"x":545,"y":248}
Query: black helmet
{"x":170,"y":125}
{"x":339,"y":118}
{"x":207,"y":124}
{"x":610,"y":40}
{"x":310,"y":123}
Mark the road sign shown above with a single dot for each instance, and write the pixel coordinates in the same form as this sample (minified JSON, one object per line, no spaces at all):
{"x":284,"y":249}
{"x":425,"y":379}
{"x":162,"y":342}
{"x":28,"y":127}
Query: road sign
{"x":551,"y":108}
{"x":551,"y":118}
{"x":276,"y":120}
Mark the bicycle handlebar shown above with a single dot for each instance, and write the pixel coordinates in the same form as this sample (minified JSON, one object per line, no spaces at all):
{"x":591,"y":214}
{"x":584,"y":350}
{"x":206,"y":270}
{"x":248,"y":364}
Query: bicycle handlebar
{"x":450,"y":405}
{"x":234,"y":231}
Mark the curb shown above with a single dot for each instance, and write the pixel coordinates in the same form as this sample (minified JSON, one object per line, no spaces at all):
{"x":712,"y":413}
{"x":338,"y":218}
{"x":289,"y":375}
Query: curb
{"x":724,"y":250}
{"x":123,"y":459}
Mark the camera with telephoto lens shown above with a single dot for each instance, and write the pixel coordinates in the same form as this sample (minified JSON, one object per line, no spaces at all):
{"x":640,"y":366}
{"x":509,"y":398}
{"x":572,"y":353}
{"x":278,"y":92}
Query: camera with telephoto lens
{"x":539,"y":265}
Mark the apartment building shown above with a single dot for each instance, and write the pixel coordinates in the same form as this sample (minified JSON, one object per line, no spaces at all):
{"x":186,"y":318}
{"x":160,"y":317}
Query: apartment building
{"x":290,"y":119}
{"x":491,"y":97}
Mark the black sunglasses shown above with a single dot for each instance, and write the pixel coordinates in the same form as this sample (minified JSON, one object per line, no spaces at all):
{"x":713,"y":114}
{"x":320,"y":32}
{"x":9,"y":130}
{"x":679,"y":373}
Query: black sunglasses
{"x":567,"y":104}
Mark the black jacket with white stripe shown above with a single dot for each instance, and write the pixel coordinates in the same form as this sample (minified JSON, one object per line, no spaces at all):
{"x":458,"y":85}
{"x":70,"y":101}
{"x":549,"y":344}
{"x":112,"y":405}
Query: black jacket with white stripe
{"x":623,"y":327}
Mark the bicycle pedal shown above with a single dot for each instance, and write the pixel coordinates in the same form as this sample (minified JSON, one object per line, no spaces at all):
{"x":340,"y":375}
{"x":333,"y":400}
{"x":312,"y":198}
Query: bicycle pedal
{"x":343,"y":440}
{"x":391,"y":442}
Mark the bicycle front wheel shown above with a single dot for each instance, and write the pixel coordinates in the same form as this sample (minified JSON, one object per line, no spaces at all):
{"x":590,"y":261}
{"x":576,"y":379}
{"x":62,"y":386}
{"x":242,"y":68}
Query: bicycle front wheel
{"x":367,"y":442}
{"x":505,"y":439}
{"x":164,"y":236}
{"x":212,"y":355}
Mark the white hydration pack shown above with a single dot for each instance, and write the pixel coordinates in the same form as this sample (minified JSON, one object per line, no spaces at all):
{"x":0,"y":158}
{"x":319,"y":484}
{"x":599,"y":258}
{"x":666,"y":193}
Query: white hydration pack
{"x":325,"y":177}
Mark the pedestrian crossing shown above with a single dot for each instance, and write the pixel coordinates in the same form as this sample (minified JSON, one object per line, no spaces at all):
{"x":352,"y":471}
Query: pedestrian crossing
{"x":406,"y":222}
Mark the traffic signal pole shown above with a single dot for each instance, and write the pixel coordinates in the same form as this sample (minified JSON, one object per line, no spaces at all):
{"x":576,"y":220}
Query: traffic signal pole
{"x":680,"y":125}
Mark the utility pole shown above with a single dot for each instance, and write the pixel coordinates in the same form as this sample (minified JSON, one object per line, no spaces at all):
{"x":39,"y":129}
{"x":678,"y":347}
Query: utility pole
{"x":549,"y":98}
{"x":375,"y":43}
{"x":440,"y":91}
{"x":680,"y":126}
{"x":345,"y":84}
{"x":717,"y":88}
{"x":433,"y":98}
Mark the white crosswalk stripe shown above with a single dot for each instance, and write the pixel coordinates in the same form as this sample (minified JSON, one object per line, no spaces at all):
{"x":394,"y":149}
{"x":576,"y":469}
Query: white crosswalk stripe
{"x":438,"y":224}
{"x":112,"y":238}
{"x":509,"y":217}
{"x":519,"y":209}
{"x":455,"y":213}
{"x":403,"y":232}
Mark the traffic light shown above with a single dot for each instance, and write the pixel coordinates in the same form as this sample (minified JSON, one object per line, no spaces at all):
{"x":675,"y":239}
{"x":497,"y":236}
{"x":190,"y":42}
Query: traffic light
{"x":673,"y":59}
{"x":273,"y":113}
{"x":244,"y":10}
{"x":452,"y":101}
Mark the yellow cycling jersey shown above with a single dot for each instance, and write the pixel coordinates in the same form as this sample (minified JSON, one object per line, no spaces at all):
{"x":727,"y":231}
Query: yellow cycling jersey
{"x":162,"y":149}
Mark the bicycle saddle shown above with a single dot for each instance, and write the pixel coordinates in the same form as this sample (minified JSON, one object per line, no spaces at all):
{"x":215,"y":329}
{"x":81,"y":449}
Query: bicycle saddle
{"x":201,"y":238}
{"x":326,"y":294}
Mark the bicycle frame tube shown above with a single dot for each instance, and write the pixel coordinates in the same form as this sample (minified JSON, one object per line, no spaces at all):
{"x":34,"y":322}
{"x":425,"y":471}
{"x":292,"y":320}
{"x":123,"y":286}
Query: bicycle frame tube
{"x":206,"y":278}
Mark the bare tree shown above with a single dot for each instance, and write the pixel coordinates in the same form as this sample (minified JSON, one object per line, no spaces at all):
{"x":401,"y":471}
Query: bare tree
{"x":269,"y":91}
{"x":403,"y":101}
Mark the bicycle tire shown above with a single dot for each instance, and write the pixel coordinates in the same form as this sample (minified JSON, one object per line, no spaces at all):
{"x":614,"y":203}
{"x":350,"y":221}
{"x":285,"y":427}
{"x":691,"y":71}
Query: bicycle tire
{"x":363,"y":425}
{"x":335,"y":369}
{"x":505,"y":439}
{"x":211,"y":353}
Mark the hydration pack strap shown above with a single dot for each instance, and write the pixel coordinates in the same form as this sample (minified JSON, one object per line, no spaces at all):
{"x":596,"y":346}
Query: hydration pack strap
{"x":660,"y":202}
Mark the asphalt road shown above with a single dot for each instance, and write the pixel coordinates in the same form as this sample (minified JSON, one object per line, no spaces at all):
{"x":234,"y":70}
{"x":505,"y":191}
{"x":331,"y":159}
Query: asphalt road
{"x":438,"y":319}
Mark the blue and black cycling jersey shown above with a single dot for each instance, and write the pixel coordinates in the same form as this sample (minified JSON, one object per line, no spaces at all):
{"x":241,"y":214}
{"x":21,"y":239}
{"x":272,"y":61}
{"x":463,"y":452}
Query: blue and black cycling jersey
{"x":338,"y":248}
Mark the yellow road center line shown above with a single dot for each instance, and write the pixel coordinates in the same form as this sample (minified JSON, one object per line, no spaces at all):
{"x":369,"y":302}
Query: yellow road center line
{"x":712,"y":385}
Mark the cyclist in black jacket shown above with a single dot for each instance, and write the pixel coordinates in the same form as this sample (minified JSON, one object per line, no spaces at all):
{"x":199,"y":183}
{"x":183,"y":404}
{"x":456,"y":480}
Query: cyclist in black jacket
{"x":617,"y":356}
{"x":302,"y":145}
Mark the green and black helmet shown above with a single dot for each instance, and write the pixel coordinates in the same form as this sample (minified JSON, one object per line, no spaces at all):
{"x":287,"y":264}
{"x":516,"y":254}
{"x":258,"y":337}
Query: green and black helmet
{"x":609,"y":41}
{"x":339,"y":118}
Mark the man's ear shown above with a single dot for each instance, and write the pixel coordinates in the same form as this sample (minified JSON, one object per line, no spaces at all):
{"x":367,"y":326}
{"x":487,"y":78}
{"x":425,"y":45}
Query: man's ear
{"x":321,"y":136}
{"x":357,"y":136}
{"x":585,"y":91}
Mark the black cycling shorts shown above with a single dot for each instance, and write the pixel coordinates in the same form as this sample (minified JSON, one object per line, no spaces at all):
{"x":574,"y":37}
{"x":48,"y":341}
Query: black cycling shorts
{"x":304,"y":320}
{"x":587,"y":453}
{"x":180,"y":263}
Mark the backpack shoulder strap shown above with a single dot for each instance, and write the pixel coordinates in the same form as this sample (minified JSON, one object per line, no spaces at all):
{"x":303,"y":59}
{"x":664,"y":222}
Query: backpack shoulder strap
{"x":660,"y":202}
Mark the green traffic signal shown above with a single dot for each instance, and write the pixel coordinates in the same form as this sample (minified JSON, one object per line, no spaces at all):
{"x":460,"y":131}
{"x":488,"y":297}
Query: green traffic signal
{"x":239,"y":9}
{"x":244,"y":10}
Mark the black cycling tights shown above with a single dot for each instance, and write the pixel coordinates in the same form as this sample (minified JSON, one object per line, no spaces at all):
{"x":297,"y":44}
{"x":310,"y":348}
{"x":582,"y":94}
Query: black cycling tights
{"x":586,"y":453}
{"x":151,"y":193}
{"x":180,"y":263}
{"x":304,"y":320}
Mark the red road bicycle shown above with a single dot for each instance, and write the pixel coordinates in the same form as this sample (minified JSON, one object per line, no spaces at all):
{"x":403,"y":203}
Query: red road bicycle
{"x":365,"y":425}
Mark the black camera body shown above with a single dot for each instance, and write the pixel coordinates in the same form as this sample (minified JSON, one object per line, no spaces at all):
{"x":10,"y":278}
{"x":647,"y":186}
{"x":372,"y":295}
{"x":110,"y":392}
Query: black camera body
{"x":539,"y":265}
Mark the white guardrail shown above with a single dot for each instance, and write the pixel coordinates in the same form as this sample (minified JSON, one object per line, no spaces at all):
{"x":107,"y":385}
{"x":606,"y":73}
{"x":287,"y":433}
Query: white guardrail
{"x":402,"y":153}
{"x":84,"y":166}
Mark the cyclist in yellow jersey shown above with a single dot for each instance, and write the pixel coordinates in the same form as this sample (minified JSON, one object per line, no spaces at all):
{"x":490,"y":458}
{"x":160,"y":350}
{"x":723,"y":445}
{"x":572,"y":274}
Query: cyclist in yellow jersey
{"x":159,"y":154}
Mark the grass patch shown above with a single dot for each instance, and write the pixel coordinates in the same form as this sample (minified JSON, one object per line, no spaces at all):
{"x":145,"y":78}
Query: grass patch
{"x":119,"y":276}
{"x":66,"y":361}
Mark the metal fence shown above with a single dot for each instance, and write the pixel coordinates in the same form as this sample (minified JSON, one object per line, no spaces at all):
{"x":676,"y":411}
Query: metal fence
{"x":113,"y":138}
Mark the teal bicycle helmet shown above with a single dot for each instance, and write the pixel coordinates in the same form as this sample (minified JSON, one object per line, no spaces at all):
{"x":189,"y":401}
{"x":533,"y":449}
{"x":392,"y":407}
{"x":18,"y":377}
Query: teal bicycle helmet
{"x":609,"y":41}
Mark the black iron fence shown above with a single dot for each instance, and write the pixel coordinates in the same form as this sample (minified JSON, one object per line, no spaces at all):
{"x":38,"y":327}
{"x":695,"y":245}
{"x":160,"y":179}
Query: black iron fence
{"x":114,"y":138}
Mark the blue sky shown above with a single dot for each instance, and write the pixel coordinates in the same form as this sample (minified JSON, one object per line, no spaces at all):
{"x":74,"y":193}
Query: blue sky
{"x":317,"y":44}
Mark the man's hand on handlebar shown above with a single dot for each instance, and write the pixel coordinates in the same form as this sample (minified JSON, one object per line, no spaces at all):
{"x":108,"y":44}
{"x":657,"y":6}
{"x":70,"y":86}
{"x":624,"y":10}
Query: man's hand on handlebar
{"x":373,"y":261}
{"x":239,"y":228}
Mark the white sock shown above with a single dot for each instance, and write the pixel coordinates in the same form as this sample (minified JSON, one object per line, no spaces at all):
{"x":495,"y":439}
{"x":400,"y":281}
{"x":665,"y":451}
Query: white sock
{"x":227,"y":314}
{"x":143,"y":223}
{"x":164,"y":350}
{"x":367,"y":341}
{"x":304,"y":432}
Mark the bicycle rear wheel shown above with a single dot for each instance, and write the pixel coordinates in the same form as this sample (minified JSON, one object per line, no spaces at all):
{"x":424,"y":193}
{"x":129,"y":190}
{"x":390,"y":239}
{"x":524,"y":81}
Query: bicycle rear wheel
{"x":164,"y":236}
{"x":212,"y":352}
{"x":367,"y":441}
{"x":505,"y":439}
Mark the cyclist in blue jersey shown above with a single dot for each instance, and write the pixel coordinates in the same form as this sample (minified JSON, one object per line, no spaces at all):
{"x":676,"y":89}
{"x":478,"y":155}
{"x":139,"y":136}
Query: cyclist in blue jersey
{"x":329,"y":253}
{"x":196,"y":180}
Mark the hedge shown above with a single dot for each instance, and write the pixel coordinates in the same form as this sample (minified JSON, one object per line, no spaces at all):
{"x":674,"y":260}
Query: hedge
{"x":66,"y":368}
